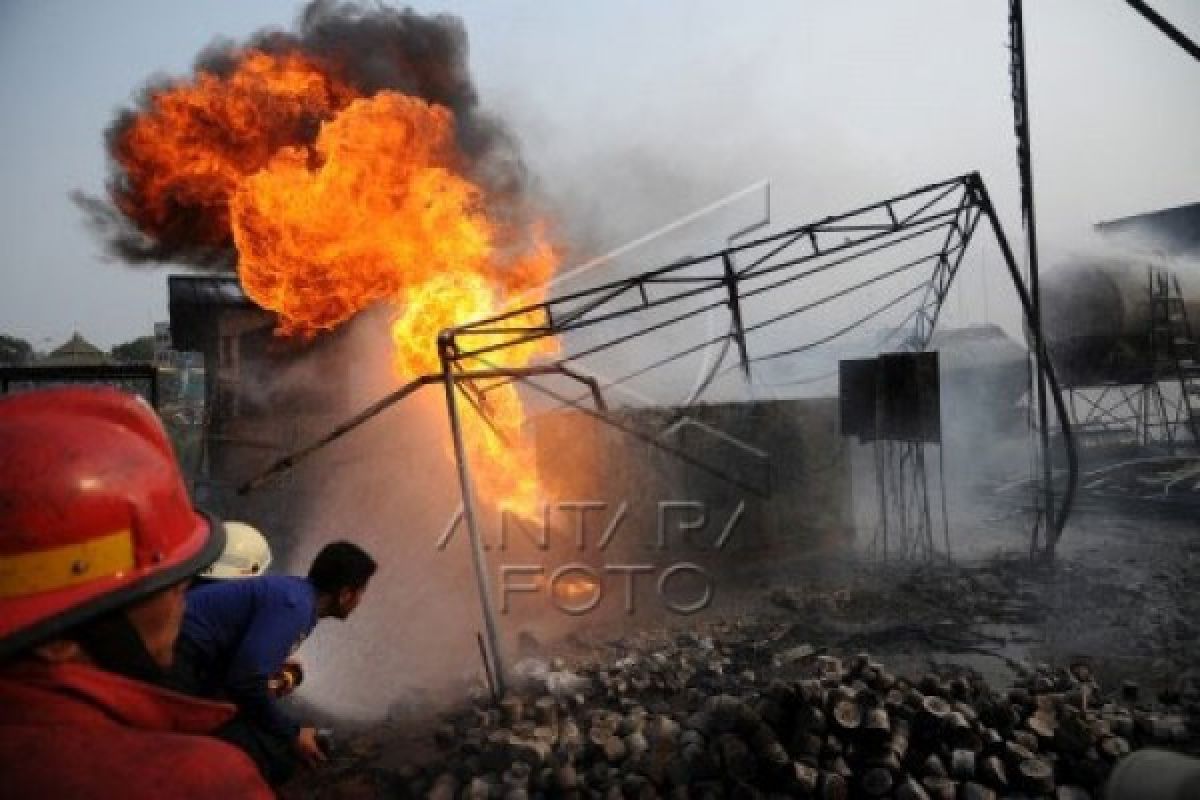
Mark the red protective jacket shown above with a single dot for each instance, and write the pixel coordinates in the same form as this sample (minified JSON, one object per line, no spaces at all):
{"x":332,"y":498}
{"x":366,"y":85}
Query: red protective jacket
{"x":71,"y":730}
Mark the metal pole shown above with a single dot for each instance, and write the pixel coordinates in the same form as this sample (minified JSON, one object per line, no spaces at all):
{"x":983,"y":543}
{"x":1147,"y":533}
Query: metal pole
{"x":926,"y":521}
{"x":487,"y":667}
{"x":945,"y":511}
{"x":1170,"y":31}
{"x":1056,"y":523}
{"x":478,"y":558}
{"x":881,"y":533}
{"x":1025,"y":167}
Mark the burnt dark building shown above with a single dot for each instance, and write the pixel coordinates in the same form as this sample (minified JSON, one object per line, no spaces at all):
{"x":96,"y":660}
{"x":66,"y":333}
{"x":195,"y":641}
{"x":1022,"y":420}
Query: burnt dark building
{"x":262,"y":392}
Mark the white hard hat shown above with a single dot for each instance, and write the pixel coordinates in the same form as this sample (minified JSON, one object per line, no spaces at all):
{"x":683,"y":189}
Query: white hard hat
{"x":246,"y":554}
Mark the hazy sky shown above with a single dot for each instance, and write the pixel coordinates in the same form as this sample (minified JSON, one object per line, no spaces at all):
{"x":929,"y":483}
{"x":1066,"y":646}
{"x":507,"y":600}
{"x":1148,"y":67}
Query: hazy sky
{"x":632,"y":112}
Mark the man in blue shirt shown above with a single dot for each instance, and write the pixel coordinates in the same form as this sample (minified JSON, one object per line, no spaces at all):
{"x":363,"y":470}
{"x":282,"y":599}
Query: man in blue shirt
{"x":237,"y":634}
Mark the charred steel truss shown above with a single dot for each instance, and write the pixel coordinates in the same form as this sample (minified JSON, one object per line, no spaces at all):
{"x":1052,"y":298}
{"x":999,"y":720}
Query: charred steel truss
{"x":939,"y":221}
{"x":727,"y":281}
{"x":949,"y":212}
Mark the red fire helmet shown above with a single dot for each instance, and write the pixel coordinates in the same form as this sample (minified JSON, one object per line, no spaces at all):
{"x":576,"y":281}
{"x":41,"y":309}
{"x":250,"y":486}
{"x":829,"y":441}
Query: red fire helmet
{"x":93,"y":511}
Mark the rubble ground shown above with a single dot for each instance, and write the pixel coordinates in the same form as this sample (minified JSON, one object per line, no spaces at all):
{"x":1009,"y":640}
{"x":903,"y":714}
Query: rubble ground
{"x":837,"y":677}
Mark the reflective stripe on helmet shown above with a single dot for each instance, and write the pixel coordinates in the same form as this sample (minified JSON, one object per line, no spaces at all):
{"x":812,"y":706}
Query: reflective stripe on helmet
{"x":59,"y":567}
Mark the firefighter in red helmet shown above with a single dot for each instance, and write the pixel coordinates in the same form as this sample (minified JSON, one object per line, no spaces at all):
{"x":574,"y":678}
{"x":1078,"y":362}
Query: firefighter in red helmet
{"x":98,"y":542}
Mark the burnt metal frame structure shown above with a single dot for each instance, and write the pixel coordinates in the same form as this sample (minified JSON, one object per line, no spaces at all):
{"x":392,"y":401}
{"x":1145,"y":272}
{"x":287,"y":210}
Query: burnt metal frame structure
{"x":948,"y":212}
{"x":955,"y":205}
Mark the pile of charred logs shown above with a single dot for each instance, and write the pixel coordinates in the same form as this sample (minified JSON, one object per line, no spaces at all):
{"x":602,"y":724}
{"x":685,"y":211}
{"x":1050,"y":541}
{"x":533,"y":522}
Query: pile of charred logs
{"x":686,"y":721}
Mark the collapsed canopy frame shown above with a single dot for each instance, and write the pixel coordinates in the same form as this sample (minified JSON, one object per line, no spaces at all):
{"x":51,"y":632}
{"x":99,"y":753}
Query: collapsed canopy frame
{"x":932,"y":226}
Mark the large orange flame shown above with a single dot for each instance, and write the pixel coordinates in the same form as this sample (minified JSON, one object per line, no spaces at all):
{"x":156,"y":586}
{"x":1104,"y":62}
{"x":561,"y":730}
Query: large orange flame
{"x":372,"y":210}
{"x":186,"y":155}
{"x":377,"y":207}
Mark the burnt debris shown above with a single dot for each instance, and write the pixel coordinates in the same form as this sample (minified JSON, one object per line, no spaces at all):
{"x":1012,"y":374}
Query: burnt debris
{"x":731,"y":715}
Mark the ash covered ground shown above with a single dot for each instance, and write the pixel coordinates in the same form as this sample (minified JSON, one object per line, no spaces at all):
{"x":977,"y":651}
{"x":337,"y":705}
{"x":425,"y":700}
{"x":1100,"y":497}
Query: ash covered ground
{"x":833,"y":675}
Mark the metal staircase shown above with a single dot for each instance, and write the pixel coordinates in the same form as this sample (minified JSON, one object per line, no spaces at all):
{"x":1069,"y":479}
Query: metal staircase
{"x":1176,"y":357}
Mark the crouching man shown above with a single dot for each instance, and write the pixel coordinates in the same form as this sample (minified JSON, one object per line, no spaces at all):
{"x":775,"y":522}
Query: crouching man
{"x":238,"y":634}
{"x":98,"y":542}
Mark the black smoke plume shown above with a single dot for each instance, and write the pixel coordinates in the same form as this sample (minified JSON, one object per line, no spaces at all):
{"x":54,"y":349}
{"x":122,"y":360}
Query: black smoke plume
{"x":373,"y":48}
